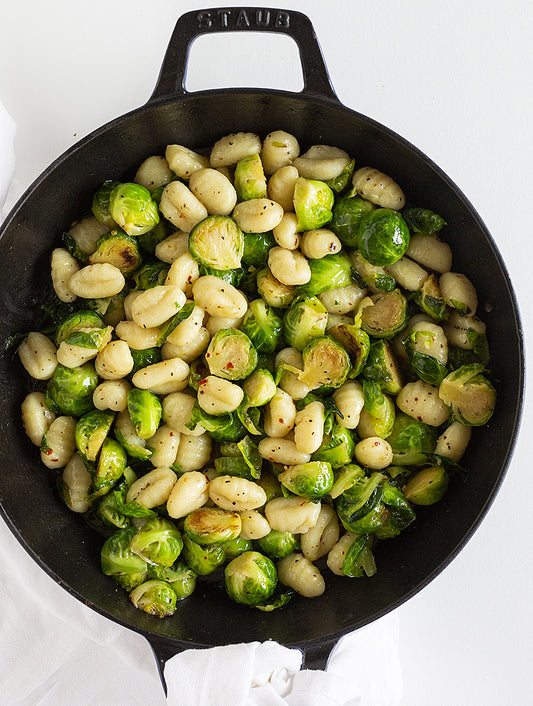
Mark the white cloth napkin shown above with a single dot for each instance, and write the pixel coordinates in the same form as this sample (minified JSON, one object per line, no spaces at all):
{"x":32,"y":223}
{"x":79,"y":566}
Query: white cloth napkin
{"x":55,"y":651}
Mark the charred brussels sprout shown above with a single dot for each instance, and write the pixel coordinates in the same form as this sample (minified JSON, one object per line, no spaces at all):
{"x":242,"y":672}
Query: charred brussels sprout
{"x":250,"y":578}
{"x":427,"y":486}
{"x":383,"y":236}
{"x":347,"y":214}
{"x":132,"y":208}
{"x":101,"y":203}
{"x":411,"y":440}
{"x":249,"y":178}
{"x":180,"y":576}
{"x":145,"y":412}
{"x":328,"y":272}
{"x":382,"y":367}
{"x":469,"y":395}
{"x":305,"y":319}
{"x":310,"y":480}
{"x":278,"y":544}
{"x":155,"y":598}
{"x":203,"y":559}
{"x":157,"y":542}
{"x":313,"y":201}
{"x":118,"y":561}
{"x":387,"y":315}
{"x":110,"y":468}
{"x":231,"y":355}
{"x":91,"y":431}
{"x":217,"y":242}
{"x":422,"y":220}
{"x":262,"y":326}
{"x":211,"y":525}
{"x":70,"y":390}
{"x":119,"y":250}
{"x":325,"y":362}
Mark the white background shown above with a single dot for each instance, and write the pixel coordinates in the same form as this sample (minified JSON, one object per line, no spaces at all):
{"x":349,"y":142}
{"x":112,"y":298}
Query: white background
{"x":454,"y":78}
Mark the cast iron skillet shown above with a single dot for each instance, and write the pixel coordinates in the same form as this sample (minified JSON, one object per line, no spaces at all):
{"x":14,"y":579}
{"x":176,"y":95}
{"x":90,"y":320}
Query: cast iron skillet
{"x":58,"y":539}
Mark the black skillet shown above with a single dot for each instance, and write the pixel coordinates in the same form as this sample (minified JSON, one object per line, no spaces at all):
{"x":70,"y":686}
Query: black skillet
{"x":60,"y":541}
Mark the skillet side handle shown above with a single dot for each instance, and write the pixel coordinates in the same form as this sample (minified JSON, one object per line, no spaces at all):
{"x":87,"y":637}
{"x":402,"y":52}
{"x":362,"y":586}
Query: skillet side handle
{"x":171,"y":81}
{"x":163,"y":651}
{"x":316,"y":654}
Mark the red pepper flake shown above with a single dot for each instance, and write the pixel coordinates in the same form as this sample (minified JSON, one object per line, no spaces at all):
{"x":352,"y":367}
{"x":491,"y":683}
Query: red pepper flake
{"x":230,"y":366}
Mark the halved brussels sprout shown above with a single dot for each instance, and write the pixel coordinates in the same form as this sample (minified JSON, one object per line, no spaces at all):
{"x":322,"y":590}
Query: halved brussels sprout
{"x":256,"y":248}
{"x":347,"y":214}
{"x":379,"y":412}
{"x":262,"y":326}
{"x":359,"y":559}
{"x":422,"y":220}
{"x":249,"y":178}
{"x":155,"y":598}
{"x":117,"y":560}
{"x":337,"y":446}
{"x":310,"y":480}
{"x":427,"y":486}
{"x":325,"y":362}
{"x":411,"y":440}
{"x":158,"y":541}
{"x":70,"y":390}
{"x":110,"y":468}
{"x":145,"y":412}
{"x":211,"y":525}
{"x":387,"y":315}
{"x":430,"y":299}
{"x":383,"y":236}
{"x":217,"y":242}
{"x":382,"y":367}
{"x":328,"y":272}
{"x":355,"y":341}
{"x":305,"y":319}
{"x":231,"y":355}
{"x":132,"y":208}
{"x":101,"y":203}
{"x":119,"y":249}
{"x":82,"y":320}
{"x":313,"y":201}
{"x":345,"y":477}
{"x":274,"y":292}
{"x":470,"y":396}
{"x":180,"y":576}
{"x":278,"y":544}
{"x":250,"y":578}
{"x":91,"y":431}
{"x":203,"y":559}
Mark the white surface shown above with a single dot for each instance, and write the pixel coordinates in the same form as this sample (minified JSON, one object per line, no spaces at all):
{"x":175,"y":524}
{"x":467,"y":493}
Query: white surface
{"x":454,"y":79}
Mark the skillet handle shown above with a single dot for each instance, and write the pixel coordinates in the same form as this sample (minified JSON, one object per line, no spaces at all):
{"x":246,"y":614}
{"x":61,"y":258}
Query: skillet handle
{"x":171,"y":81}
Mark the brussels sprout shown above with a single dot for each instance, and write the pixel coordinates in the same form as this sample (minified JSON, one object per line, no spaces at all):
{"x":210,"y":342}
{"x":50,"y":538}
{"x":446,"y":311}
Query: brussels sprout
{"x":217,"y":242}
{"x":180,"y":576}
{"x":422,"y":220}
{"x":277,"y":600}
{"x":275,"y":293}
{"x":110,"y":467}
{"x":107,"y":509}
{"x":222,"y":428}
{"x":426,"y":367}
{"x":411,"y":440}
{"x":249,"y":417}
{"x":211,"y":525}
{"x":360,"y":499}
{"x":151,"y":274}
{"x":270,"y":485}
{"x":372,"y":276}
{"x":260,"y":387}
{"x":340,"y":182}
{"x":262,"y":326}
{"x":145,"y":412}
{"x":132,"y":208}
{"x":379,"y":411}
{"x":305,"y":319}
{"x":82,"y":320}
{"x":150,"y":240}
{"x":469,"y":395}
{"x":94,"y":339}
{"x":117,"y":560}
{"x":328,"y":272}
{"x":387,"y":315}
{"x":278,"y":544}
{"x":337,"y":447}
{"x":250,"y":578}
{"x":356,"y":342}
{"x":203,"y":559}
{"x":325,"y":363}
{"x":310,"y":480}
{"x":91,"y":430}
{"x":430,"y":299}
{"x":256,"y":248}
{"x":359,"y":559}
{"x":345,"y":477}
{"x":127,"y":437}
{"x":231,"y":355}
{"x":70,"y":390}
{"x":249,"y":178}
{"x":155,"y":598}
{"x":169,"y":326}
{"x":382,"y":367}
{"x":399,"y":513}
{"x":119,"y":249}
{"x":235,"y":547}
{"x":313,"y":201}
{"x":143,"y":358}
{"x":198,"y":371}
{"x":427,"y":486}
{"x":347,"y":214}
{"x":158,"y":542}
{"x":101,"y":203}
{"x":383,"y":236}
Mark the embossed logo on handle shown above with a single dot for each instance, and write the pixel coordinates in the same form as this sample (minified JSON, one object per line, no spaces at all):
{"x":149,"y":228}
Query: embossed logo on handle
{"x":243,"y":18}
